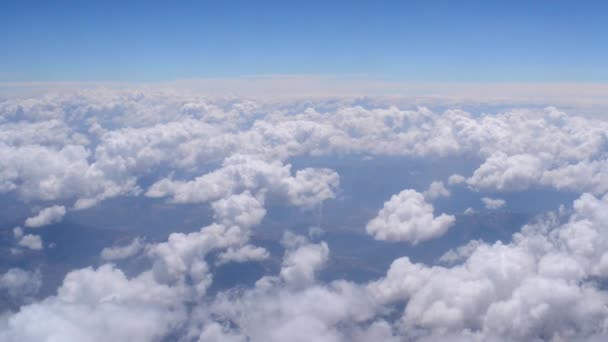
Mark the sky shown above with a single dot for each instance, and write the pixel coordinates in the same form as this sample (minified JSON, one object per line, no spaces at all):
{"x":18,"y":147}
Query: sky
{"x":235,"y":171}
{"x":404,"y":41}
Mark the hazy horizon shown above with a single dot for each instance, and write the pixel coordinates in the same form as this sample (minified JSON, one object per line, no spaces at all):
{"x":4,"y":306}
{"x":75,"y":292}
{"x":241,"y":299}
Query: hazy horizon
{"x":269,"y":171}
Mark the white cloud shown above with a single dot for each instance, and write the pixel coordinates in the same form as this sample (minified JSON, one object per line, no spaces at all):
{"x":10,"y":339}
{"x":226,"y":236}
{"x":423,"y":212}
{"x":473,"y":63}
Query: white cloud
{"x":122,"y":252}
{"x":503,"y":172}
{"x":536,"y":285}
{"x":312,"y":186}
{"x":183,"y":255}
{"x":98,"y":143}
{"x":31,"y":241}
{"x":436,"y":190}
{"x":407,"y":217}
{"x":460,"y":253}
{"x":46,"y":216}
{"x":215,"y":332}
{"x":245,"y":173}
{"x":234,"y":154}
{"x":90,"y":301}
{"x":302,"y":260}
{"x":591,"y":176}
{"x":456,"y":179}
{"x":242,"y":210}
{"x":539,"y":284}
{"x":493,"y":203}
{"x":243,"y":254}
{"x":315,"y":232}
{"x":20,"y":284}
{"x":293,"y":306}
{"x":17,"y":232}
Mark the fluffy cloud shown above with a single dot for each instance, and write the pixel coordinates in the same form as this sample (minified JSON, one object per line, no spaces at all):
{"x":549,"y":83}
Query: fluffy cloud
{"x":90,"y":300}
{"x":436,"y":190}
{"x":122,"y":252}
{"x":244,"y":173}
{"x":97,"y":144}
{"x":542,"y":283}
{"x":183,"y":256}
{"x":243,"y":254}
{"x":274,"y":313}
{"x":31,"y":241}
{"x":591,"y":176}
{"x":292,"y":305}
{"x":17,"y":232}
{"x":20,"y":284}
{"x":460,"y":253}
{"x":456,"y":179}
{"x":408,"y":217}
{"x":241,"y":210}
{"x":312,"y":186}
{"x":302,"y":260}
{"x":46,"y":216}
{"x":537,"y":285}
{"x":503,"y":172}
{"x":235,"y":154}
{"x":493,"y":203}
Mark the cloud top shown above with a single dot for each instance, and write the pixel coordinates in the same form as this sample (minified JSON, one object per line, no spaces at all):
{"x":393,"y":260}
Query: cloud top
{"x":242,"y":158}
{"x":46,"y":216}
{"x":408,"y":217}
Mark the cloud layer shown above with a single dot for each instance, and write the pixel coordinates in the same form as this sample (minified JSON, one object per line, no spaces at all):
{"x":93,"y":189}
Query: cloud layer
{"x":69,"y":151}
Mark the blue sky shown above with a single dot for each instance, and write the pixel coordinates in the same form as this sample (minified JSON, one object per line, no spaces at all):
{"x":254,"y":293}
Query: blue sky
{"x":445,"y":41}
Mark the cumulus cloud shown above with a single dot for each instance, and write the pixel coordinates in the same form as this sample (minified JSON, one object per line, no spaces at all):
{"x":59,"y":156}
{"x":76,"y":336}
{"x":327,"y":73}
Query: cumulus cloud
{"x":242,"y":210}
{"x":46,"y":216}
{"x":235,"y":154}
{"x":315,"y":232}
{"x":123,"y":252}
{"x":97,"y":144}
{"x":183,"y":256}
{"x":542,"y":283}
{"x":537,"y":285}
{"x":90,"y":300}
{"x":293,"y":305}
{"x":302,"y":260}
{"x":243,"y":254}
{"x":31,"y":241}
{"x":456,"y":179}
{"x":312,"y":186}
{"x":17,"y":232}
{"x":20,"y":284}
{"x":493,"y":203}
{"x":507,"y":172}
{"x":408,"y":217}
{"x":460,"y":253}
{"x":244,"y":173}
{"x":436,"y":190}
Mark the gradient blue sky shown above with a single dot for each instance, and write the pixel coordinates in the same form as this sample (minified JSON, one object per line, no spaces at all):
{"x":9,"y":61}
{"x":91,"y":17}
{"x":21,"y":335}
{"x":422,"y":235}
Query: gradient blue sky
{"x":472,"y":41}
